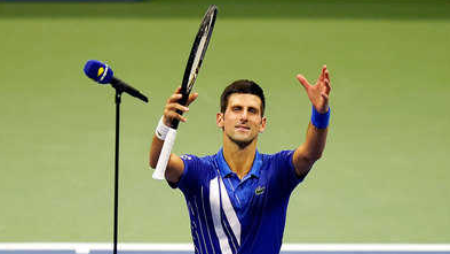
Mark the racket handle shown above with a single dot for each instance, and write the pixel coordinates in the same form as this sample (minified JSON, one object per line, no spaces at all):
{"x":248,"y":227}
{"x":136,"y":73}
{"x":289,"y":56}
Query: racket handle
{"x":164,"y":156}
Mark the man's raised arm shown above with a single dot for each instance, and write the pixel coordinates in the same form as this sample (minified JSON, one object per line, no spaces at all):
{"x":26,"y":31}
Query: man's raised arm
{"x":175,"y":165}
{"x":311,"y":150}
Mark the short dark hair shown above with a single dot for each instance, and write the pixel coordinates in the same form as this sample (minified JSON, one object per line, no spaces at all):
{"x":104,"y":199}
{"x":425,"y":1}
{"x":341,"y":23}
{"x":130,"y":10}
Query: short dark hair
{"x":242,"y":86}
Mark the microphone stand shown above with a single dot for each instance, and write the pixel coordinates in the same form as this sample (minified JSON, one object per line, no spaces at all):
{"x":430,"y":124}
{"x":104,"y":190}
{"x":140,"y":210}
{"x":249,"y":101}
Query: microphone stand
{"x":118,"y":98}
{"x":92,"y":67}
{"x":116,"y":178}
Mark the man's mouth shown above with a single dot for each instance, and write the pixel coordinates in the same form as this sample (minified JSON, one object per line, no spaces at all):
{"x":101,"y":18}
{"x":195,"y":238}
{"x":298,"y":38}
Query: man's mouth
{"x":242,"y":128}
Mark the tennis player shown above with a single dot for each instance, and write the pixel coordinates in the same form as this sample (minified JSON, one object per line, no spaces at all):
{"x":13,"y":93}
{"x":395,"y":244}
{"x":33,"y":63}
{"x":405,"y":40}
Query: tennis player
{"x":237,"y":198}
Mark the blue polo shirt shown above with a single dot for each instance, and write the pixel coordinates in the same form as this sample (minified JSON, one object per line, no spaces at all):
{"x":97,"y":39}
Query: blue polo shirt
{"x":229,"y":215}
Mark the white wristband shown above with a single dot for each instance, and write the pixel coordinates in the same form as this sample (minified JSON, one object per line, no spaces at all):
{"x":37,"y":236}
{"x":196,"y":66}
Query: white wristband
{"x":161,"y":130}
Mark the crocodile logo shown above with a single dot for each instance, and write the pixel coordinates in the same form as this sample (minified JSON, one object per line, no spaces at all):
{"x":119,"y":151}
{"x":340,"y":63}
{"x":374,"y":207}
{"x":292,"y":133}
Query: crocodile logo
{"x":260,"y":190}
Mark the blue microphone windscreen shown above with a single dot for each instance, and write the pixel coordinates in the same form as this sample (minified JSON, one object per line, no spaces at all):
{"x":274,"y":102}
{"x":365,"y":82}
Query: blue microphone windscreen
{"x":98,"y":71}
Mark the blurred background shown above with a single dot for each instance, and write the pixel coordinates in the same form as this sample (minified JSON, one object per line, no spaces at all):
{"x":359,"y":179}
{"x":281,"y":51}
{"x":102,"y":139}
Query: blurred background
{"x":384,"y":177}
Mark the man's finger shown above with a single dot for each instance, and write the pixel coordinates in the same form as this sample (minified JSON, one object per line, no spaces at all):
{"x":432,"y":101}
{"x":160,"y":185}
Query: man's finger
{"x":325,"y":96}
{"x":174,"y":97}
{"x":327,"y":86}
{"x":322,"y":73}
{"x":192,"y":98}
{"x":303,"y":81}
{"x":175,"y":106}
{"x":327,"y":74}
{"x":173,"y":115}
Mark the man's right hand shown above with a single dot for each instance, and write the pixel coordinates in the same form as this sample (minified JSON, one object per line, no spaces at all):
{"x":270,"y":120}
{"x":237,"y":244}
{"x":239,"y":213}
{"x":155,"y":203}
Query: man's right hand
{"x":175,"y":165}
{"x":170,"y":110}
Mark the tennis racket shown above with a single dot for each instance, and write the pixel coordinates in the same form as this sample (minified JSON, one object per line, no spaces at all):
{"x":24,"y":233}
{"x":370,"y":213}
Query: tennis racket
{"x":190,"y":76}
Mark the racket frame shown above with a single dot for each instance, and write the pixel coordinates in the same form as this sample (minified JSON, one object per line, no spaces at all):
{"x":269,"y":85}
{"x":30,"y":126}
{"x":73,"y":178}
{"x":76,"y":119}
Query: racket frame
{"x":186,"y":87}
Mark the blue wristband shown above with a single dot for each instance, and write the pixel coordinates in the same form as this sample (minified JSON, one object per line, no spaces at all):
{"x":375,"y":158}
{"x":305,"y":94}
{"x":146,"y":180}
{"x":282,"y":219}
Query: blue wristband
{"x":319,"y":120}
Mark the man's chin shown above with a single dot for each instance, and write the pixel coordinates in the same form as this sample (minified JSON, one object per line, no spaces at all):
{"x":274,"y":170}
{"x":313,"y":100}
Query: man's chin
{"x":241,"y":141}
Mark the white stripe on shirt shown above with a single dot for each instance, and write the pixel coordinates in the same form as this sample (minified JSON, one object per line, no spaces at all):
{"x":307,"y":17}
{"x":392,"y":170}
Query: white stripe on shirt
{"x":230,"y":213}
{"x":214,"y":200}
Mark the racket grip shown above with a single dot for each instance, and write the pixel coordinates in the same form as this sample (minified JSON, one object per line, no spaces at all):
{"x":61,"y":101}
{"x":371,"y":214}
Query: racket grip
{"x":164,"y":156}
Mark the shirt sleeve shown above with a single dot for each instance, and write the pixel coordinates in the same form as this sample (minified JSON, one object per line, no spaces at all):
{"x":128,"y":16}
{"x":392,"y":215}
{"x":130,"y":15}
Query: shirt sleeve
{"x":191,"y":177}
{"x":286,"y":175}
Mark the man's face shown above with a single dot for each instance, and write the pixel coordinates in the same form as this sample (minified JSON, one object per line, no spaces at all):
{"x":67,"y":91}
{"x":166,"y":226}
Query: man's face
{"x":242,"y":120}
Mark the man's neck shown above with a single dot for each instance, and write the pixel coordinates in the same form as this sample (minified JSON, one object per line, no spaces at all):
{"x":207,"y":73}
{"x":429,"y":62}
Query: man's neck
{"x":240,"y":160}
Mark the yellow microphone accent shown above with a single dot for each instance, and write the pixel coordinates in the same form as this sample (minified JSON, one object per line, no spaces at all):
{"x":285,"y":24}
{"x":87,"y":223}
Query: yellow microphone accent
{"x":100,"y":71}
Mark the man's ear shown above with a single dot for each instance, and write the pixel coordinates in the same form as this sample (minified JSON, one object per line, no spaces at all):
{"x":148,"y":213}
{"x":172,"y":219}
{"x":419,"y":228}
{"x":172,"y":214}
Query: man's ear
{"x":219,"y":120}
{"x":263,"y":124}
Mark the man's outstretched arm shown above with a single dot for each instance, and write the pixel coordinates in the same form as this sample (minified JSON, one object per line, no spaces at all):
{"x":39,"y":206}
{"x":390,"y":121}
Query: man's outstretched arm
{"x":175,"y":165}
{"x":311,"y":150}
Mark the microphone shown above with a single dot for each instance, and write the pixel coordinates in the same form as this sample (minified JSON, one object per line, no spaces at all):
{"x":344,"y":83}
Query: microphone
{"x":103,"y":74}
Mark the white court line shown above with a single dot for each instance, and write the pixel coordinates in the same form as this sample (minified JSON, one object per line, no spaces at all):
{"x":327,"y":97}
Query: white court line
{"x":87,"y":247}
{"x":366,"y":247}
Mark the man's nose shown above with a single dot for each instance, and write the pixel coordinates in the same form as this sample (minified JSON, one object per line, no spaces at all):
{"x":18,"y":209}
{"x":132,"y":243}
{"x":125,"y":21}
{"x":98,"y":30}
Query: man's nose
{"x":244,"y":114}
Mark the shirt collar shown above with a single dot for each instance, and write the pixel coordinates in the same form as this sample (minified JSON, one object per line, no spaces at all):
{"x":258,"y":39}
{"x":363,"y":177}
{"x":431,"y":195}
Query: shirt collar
{"x":225,"y":170}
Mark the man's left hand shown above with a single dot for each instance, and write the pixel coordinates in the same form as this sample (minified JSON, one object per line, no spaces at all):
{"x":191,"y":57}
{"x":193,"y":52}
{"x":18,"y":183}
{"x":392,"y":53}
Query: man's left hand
{"x":318,"y":94}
